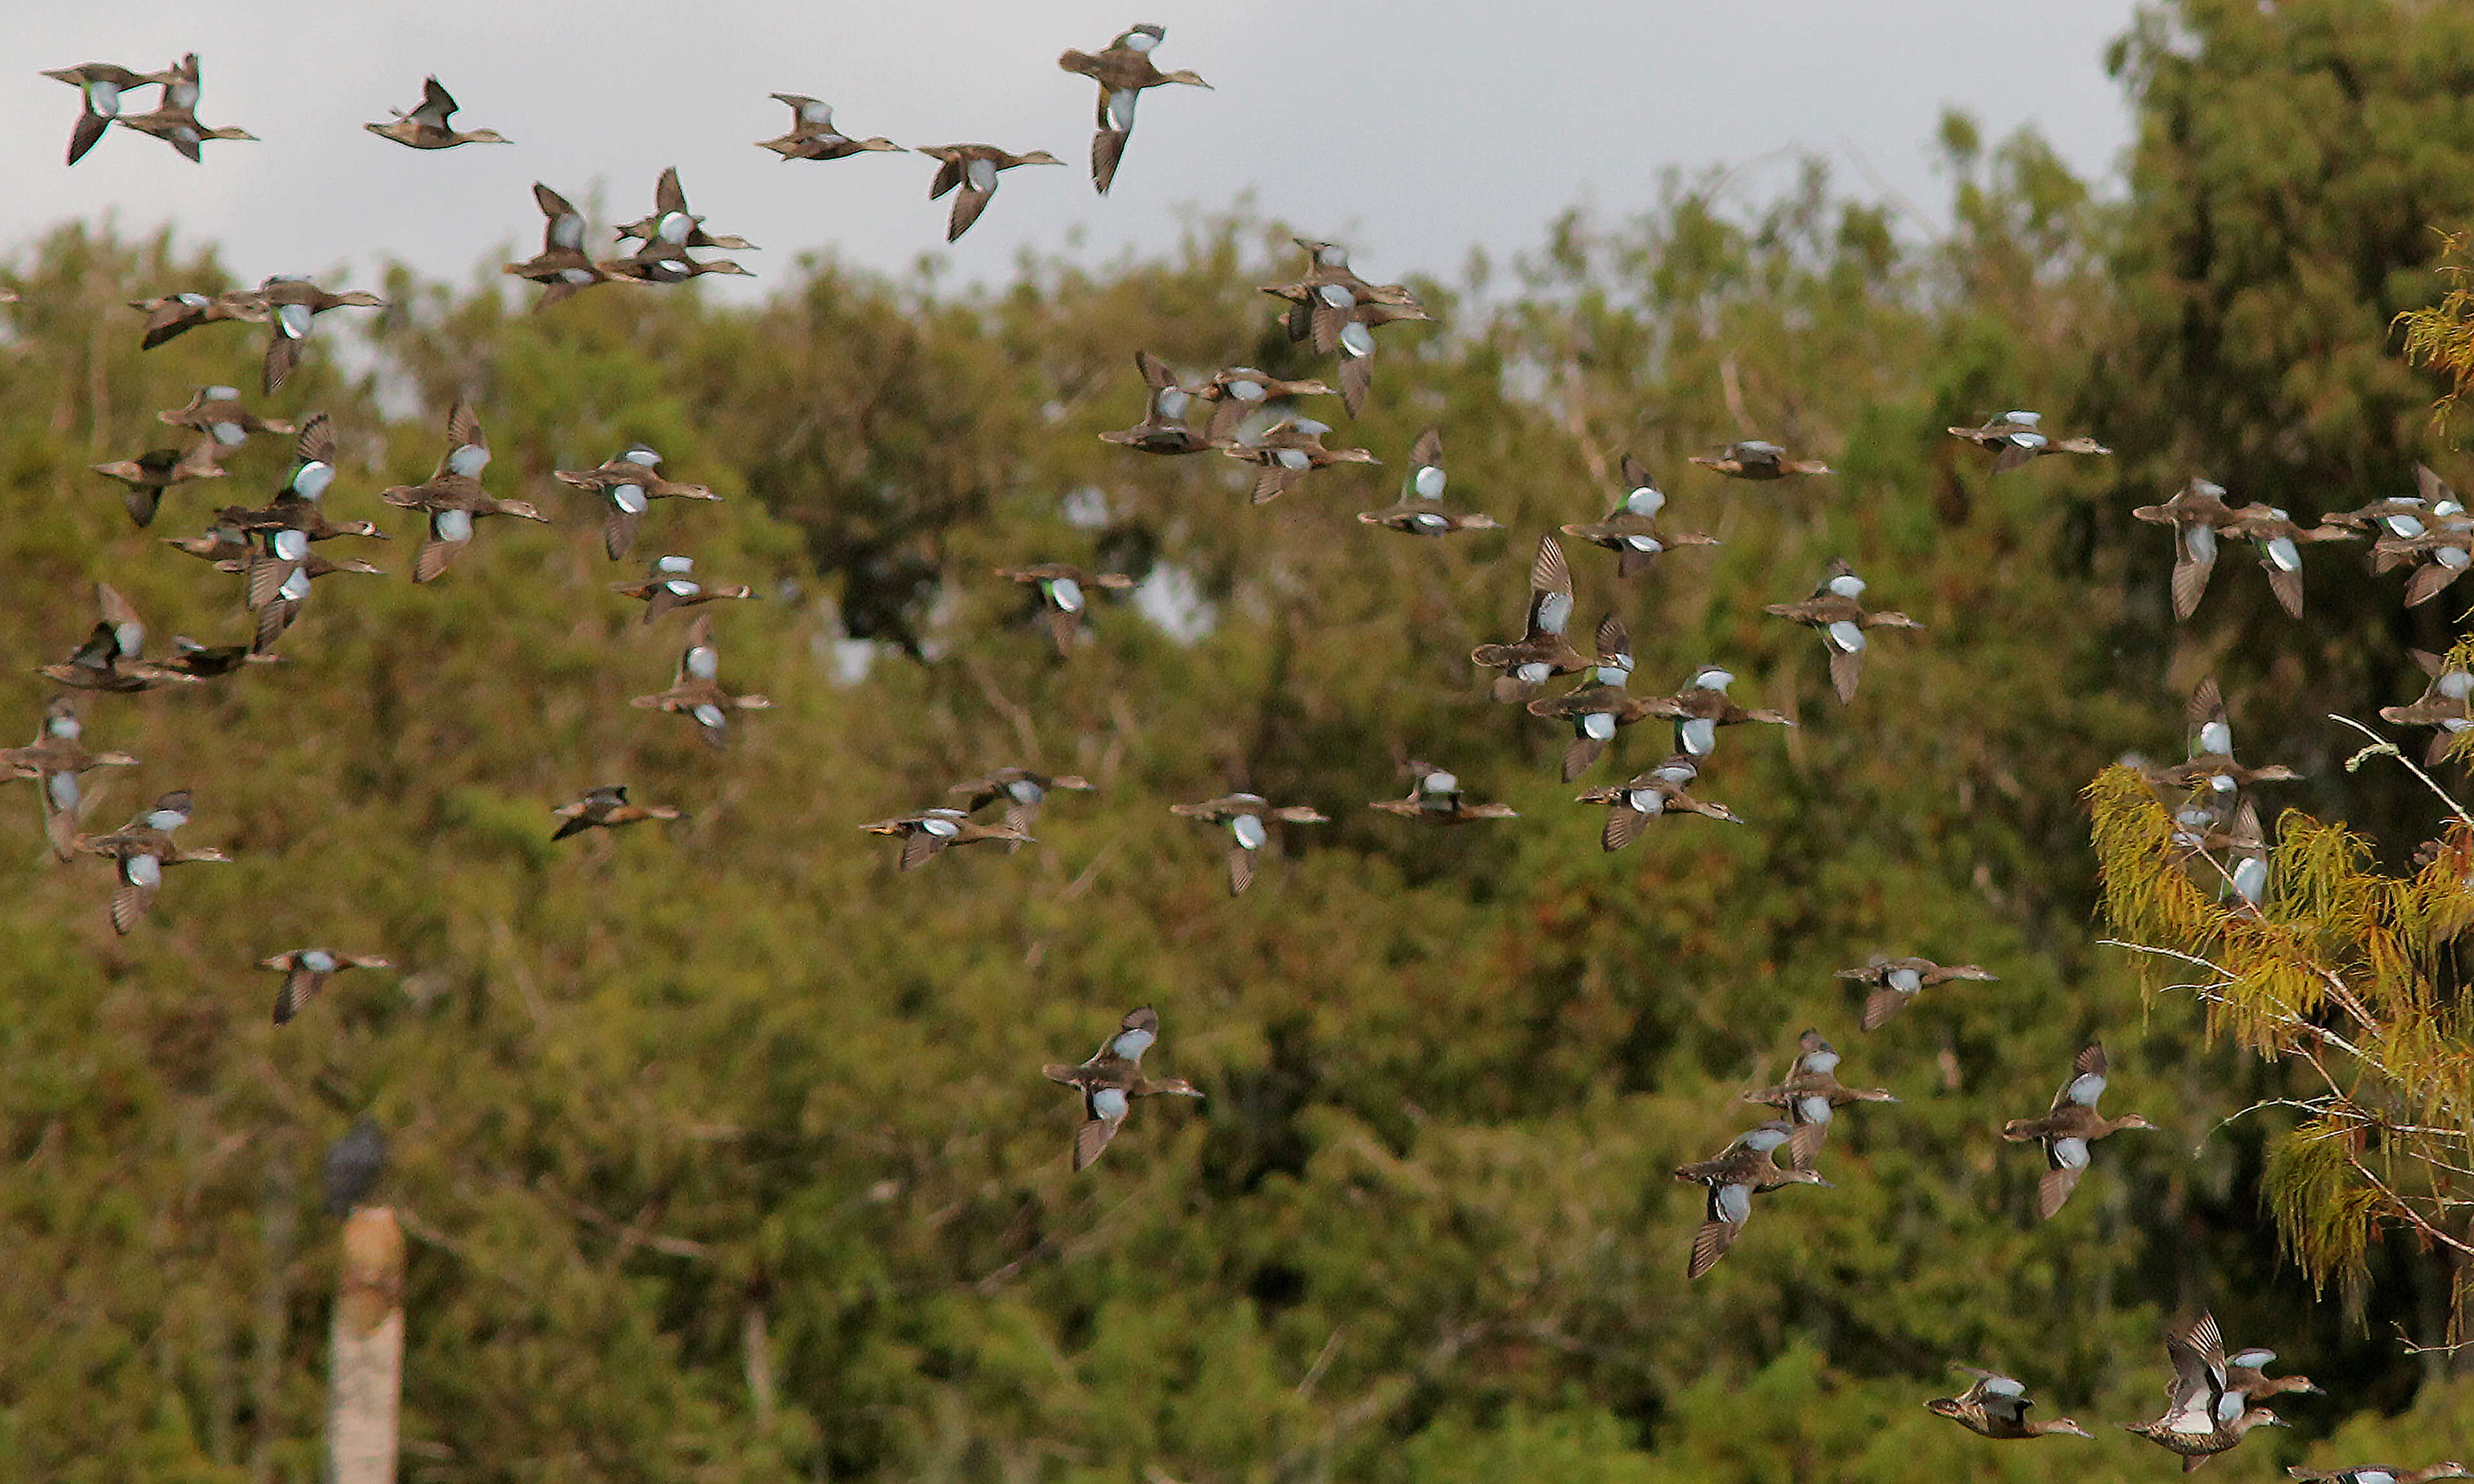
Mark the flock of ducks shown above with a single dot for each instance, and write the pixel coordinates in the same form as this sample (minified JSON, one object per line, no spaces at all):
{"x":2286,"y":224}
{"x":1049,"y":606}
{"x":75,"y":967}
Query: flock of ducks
{"x":271,"y":547}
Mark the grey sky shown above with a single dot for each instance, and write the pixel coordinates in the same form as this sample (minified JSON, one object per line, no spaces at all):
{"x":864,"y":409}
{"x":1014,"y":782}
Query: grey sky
{"x":1410,"y":131}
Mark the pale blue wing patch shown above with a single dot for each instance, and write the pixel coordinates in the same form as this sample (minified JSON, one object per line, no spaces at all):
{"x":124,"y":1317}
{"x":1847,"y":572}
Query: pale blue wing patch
{"x":1248,"y":830}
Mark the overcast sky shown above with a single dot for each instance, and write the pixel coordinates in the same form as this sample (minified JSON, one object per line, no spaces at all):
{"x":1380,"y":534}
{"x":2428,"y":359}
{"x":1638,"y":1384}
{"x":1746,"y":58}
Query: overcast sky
{"x":1410,"y":131}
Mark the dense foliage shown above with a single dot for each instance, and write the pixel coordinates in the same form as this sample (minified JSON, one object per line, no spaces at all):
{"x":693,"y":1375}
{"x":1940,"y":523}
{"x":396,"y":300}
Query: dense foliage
{"x":721,"y":1146}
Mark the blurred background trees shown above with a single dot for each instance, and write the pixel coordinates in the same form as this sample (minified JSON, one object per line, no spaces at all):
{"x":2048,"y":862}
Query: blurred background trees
{"x":721,"y":1147}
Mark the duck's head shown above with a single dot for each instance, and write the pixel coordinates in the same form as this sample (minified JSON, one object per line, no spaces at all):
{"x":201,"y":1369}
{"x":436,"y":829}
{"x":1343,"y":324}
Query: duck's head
{"x":1177,"y":1086}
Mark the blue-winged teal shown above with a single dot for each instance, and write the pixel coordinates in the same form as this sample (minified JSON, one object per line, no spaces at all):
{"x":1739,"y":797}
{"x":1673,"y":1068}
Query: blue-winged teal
{"x":452,"y":497}
{"x":1648,"y":796}
{"x":2381,"y":1474}
{"x":1324,"y":302}
{"x":1836,"y":612}
{"x":2279,"y":540}
{"x":2244,"y":1373}
{"x":629,"y":482}
{"x":1247,"y":816}
{"x":929,"y":831}
{"x":140,"y":850}
{"x":1743,"y":1169}
{"x":2204,"y":1417}
{"x":2398,"y":515}
{"x":813,"y":134}
{"x":2444,"y":704}
{"x":2212,"y":766}
{"x":1755,"y":458}
{"x":2197,"y":513}
{"x":171,"y":316}
{"x":1022,"y":790}
{"x":1896,"y":981}
{"x":1434,"y":796}
{"x":291,"y":304}
{"x":305,"y":972}
{"x":2068,"y":1129}
{"x":1420,"y":510}
{"x":1288,"y":452}
{"x":1064,"y":594}
{"x":1812,"y":1095}
{"x":562,"y":267}
{"x":2432,"y":533}
{"x":217,"y":413}
{"x":53,"y":761}
{"x":1541,"y":652}
{"x":178,"y":128}
{"x":426,"y":128}
{"x":144,"y":479}
{"x":606,"y":809}
{"x":673,"y":229}
{"x":100,"y":86}
{"x":1235,"y":391}
{"x":2018,"y":439}
{"x":1122,"y":71}
{"x":1702,"y":706}
{"x":670,"y":587}
{"x":695,"y":692}
{"x":1111,"y":1080}
{"x":1597,"y":709}
{"x":1164,"y":429}
{"x":972,"y":170}
{"x":1996,"y":1406}
{"x":1631,"y":530}
{"x":282,"y":605}
{"x":113,"y":657}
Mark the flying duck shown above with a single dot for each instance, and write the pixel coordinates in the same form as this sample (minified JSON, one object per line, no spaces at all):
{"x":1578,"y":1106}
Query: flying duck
{"x":1111,"y":1080}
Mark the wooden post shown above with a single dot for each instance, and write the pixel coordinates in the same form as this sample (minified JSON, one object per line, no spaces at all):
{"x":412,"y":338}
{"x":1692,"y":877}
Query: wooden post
{"x":367,"y":1362}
